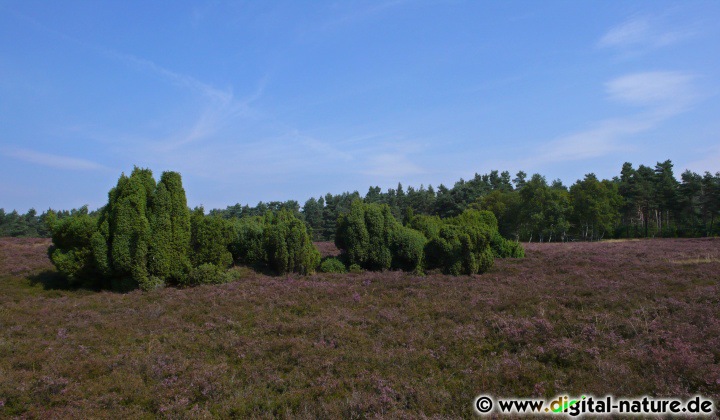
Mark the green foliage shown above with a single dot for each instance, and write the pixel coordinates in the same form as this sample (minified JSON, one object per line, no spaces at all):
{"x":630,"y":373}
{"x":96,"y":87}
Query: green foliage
{"x":352,"y":234}
{"x":247,"y":246}
{"x":504,"y":248}
{"x":171,"y":230}
{"x":544,"y":210}
{"x":355,"y":269}
{"x":462,"y":245}
{"x":427,"y":225}
{"x":129,"y":227}
{"x":594,"y":207}
{"x":152,"y":283}
{"x":473,"y":217}
{"x":372,"y":238}
{"x":71,"y":251}
{"x":288,"y":245}
{"x":207,"y":274}
{"x":332,"y":265}
{"x":408,"y":249}
{"x":210,"y":239}
{"x":141,"y":238}
{"x":365,"y":234}
{"x":146,"y":237}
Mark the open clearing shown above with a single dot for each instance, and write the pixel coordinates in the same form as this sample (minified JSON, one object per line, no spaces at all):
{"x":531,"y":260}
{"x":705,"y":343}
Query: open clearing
{"x":625,"y":318}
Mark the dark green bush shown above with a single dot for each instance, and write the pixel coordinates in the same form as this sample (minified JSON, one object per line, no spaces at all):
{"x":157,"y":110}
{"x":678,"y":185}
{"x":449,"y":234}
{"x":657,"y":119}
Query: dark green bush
{"x":152,"y":283}
{"x":462,"y":243}
{"x":206,"y":274}
{"x":408,"y":249}
{"x":71,"y":251}
{"x":373,"y":239}
{"x":210,"y":238}
{"x":287,"y":243}
{"x":503,"y":248}
{"x":332,"y":265}
{"x":169,"y":252}
{"x":248,"y":245}
{"x":146,"y":237}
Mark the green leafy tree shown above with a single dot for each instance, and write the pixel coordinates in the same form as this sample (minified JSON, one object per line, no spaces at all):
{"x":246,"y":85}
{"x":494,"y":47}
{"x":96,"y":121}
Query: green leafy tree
{"x":594,"y":207}
{"x":313,"y":213}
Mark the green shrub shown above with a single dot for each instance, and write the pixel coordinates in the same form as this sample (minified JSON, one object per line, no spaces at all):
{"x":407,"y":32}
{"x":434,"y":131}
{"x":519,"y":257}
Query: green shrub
{"x":462,"y":243}
{"x":210,"y":238}
{"x":408,"y":249}
{"x":71,"y":252}
{"x":287,"y":244}
{"x":427,"y":225}
{"x":503,"y":248}
{"x":372,"y":238}
{"x":486,"y":260}
{"x":206,"y":274}
{"x":332,"y":265}
{"x":169,"y":252}
{"x":355,"y":269}
{"x":152,"y":283}
{"x":247,"y":246}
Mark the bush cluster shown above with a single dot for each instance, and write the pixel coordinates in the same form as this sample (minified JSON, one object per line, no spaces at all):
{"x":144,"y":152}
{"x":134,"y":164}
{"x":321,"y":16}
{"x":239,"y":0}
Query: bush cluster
{"x":147,"y":237}
{"x":458,"y":245}
{"x":373,"y":239}
{"x":278,"y":242}
{"x":332,"y":265}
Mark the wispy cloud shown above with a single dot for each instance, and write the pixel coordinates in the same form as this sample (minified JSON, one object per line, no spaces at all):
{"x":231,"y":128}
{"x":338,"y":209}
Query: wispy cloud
{"x":643,"y":32}
{"x":53,"y":161}
{"x":220,"y":107}
{"x":660,"y":95}
{"x":657,"y":89}
{"x":181,"y":80}
{"x":602,"y":139}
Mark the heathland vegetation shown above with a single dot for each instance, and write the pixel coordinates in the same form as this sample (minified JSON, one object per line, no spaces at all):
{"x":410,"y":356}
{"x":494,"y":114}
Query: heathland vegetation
{"x":392,"y":335}
{"x":147,"y":237}
{"x":625,"y":318}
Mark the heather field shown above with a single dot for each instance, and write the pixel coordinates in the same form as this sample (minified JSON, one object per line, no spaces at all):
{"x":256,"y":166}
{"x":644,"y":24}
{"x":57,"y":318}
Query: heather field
{"x":626,"y":318}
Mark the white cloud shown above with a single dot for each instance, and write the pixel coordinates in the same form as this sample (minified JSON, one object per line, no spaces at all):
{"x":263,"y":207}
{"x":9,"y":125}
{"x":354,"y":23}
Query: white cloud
{"x":660,"y":94}
{"x":53,"y":161}
{"x":631,"y":32}
{"x":642,"y":32}
{"x":657,"y":88}
{"x":603,"y":139}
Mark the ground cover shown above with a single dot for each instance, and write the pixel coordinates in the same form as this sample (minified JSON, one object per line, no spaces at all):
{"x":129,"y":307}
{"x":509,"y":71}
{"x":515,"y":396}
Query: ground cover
{"x":626,"y":318}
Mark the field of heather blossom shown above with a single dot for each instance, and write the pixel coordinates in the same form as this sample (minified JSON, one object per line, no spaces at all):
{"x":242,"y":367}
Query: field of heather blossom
{"x":626,"y":318}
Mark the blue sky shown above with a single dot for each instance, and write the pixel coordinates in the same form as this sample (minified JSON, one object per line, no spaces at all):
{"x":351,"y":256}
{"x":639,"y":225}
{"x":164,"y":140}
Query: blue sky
{"x":273,"y":100}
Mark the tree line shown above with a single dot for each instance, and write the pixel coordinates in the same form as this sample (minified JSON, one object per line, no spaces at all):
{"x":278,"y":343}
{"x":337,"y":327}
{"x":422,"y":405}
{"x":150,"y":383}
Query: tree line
{"x":640,"y":202}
